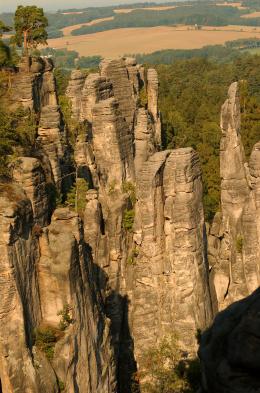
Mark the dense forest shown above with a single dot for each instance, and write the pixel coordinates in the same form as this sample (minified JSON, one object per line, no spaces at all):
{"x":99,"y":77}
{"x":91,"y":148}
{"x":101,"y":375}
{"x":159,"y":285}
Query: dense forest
{"x":191,"y":94}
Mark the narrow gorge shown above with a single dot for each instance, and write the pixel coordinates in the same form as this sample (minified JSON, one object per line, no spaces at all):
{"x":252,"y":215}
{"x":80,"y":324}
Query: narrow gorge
{"x":87,"y":289}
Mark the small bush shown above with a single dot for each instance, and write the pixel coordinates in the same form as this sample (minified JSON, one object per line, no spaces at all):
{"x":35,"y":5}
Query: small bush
{"x":61,"y":385}
{"x":128,"y":219}
{"x":111,"y":187}
{"x":129,"y":188}
{"x":143,"y":98}
{"x":167,"y":370}
{"x":66,"y":319}
{"x":76,"y":197}
{"x":45,"y":339}
{"x":131,"y":260}
{"x":239,"y":244}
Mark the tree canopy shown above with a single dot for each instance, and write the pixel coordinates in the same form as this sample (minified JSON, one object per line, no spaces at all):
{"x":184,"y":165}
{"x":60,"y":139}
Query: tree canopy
{"x":30,"y":27}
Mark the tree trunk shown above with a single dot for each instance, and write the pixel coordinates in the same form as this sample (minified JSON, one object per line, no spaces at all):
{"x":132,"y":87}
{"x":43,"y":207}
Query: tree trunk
{"x":25,"y":47}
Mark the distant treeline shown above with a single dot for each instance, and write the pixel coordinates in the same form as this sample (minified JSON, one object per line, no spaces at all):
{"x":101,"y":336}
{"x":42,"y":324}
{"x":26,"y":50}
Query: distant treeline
{"x":216,"y":53}
{"x":199,"y":14}
{"x":190,"y":13}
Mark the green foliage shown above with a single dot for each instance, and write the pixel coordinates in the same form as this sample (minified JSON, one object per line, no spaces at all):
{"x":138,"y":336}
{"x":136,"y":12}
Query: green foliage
{"x":62,"y":78}
{"x":131,"y":260}
{"x":239,"y":243}
{"x":74,"y":128}
{"x":61,"y":385}
{"x":5,"y":53}
{"x":76,"y":197}
{"x":143,"y":99}
{"x":190,"y":98}
{"x":30,"y":27}
{"x":128,"y":219}
{"x":129,"y":188}
{"x":45,"y":339}
{"x":166,"y":370}
{"x":18,"y":129}
{"x":66,"y":319}
{"x":4,"y":28}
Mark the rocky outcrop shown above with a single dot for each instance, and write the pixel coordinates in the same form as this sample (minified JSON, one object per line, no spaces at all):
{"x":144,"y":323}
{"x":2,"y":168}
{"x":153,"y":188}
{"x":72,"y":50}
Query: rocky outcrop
{"x":96,"y":88}
{"x":170,"y":290}
{"x":144,"y":138}
{"x":33,"y":86}
{"x":152,"y":96}
{"x":133,"y":268}
{"x":20,"y":305}
{"x":74,"y":91}
{"x":144,"y":222}
{"x":112,"y":144}
{"x":233,"y":241}
{"x":230,"y":349}
{"x":30,"y":175}
{"x":50,"y":137}
{"x":117,"y":72}
{"x":66,"y":280}
{"x":39,"y":278}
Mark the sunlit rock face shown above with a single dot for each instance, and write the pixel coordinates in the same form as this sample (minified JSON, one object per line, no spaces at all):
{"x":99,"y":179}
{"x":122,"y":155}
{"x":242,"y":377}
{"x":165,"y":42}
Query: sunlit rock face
{"x":156,"y":261}
{"x":234,"y":246}
{"x":136,"y":264}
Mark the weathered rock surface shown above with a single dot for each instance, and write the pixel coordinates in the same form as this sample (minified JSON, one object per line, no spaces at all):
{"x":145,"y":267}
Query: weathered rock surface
{"x":117,"y":72}
{"x":20,"y":305}
{"x":234,"y":239}
{"x":40,"y":274}
{"x":74,"y":91}
{"x":95,"y":89}
{"x":230,"y":349}
{"x":135,"y":269}
{"x":152,"y":93}
{"x":170,"y":291}
{"x":144,"y":222}
{"x":30,"y":175}
{"x":33,"y":86}
{"x":50,"y":137}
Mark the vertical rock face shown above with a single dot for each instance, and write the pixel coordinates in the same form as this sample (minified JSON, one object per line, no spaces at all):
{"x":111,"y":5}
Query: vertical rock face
{"x":74,"y":91}
{"x":20,"y":305}
{"x":112,"y":144}
{"x":34,"y":86}
{"x":50,"y":139}
{"x":30,"y":175}
{"x":117,"y":72}
{"x":144,"y":222}
{"x":95,"y":89}
{"x":234,"y":242}
{"x":65,"y":278}
{"x":144,"y":138}
{"x":170,"y":286}
{"x":41,"y":273}
{"x":135,"y":269}
{"x":152,"y":93}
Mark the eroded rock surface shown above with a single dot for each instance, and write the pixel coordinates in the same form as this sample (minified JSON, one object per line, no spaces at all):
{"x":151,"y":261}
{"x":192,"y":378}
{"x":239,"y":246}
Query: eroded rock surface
{"x":234,"y":238}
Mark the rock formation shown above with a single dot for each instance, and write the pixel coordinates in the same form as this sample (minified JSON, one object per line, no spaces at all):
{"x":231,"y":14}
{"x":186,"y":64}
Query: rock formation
{"x":152,"y":93}
{"x":144,"y":222}
{"x":234,"y":241}
{"x":132,"y":267}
